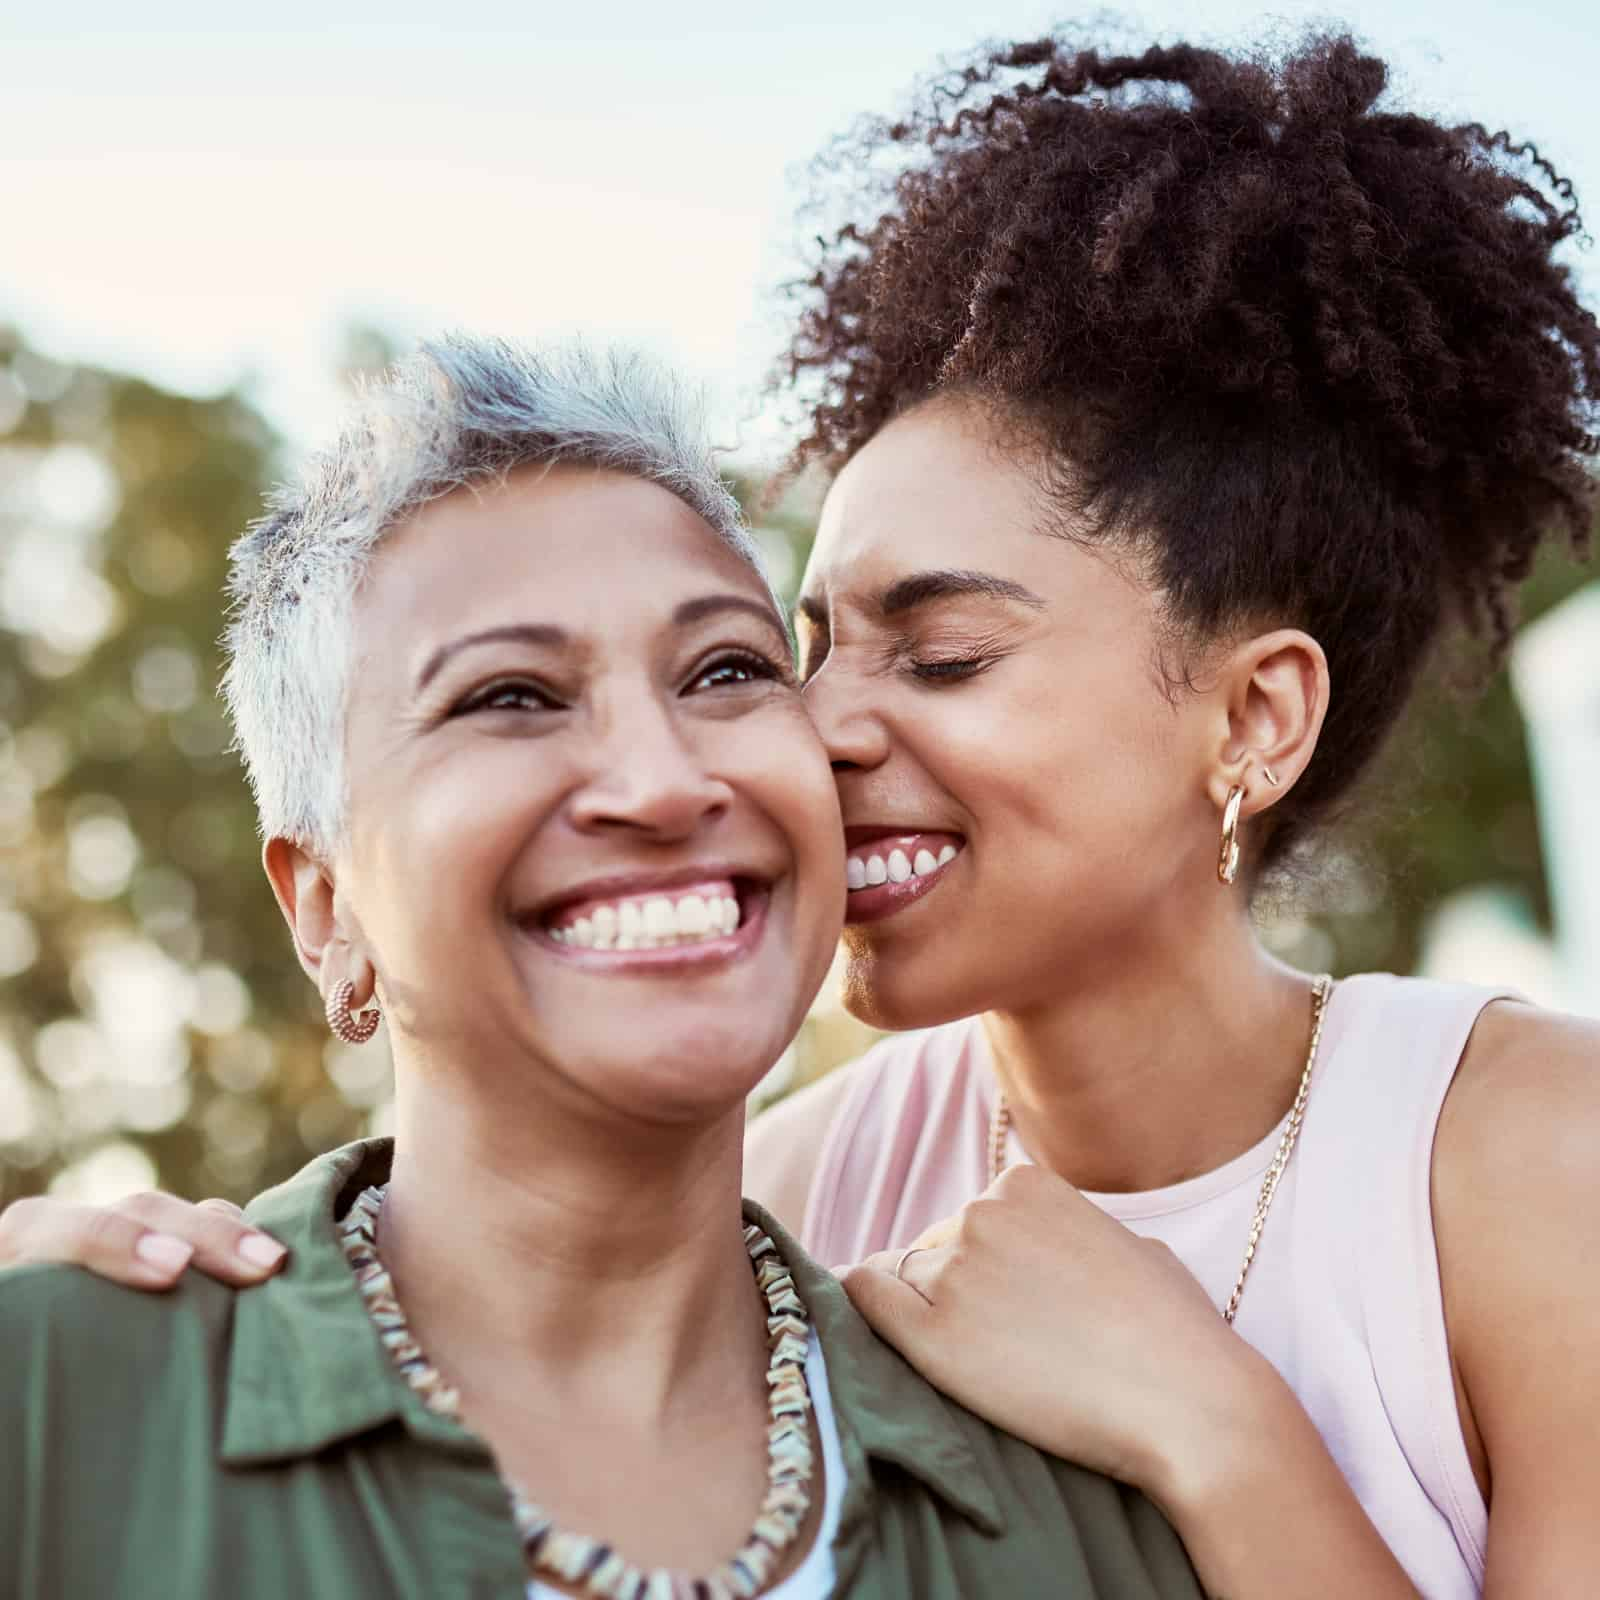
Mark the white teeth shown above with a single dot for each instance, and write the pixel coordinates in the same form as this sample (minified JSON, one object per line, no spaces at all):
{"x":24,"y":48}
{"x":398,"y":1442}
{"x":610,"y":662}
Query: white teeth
{"x":653,"y":923}
{"x":862,"y":872}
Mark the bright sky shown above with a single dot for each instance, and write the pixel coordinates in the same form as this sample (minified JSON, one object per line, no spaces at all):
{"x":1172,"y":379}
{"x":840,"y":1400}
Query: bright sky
{"x":200,"y":200}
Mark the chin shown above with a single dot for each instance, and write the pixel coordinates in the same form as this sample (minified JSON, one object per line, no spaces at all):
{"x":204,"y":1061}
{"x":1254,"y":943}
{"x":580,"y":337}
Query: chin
{"x":696,"y":1078}
{"x":898,"y":994}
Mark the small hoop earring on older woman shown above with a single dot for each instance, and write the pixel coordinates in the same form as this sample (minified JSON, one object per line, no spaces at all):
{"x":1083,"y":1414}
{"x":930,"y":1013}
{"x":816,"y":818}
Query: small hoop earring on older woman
{"x":346,"y":1025}
{"x":1228,"y":858}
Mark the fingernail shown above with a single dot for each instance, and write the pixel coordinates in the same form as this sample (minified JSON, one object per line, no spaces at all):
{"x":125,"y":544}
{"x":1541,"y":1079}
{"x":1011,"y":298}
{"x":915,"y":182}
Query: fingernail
{"x":260,"y":1251}
{"x":163,"y":1251}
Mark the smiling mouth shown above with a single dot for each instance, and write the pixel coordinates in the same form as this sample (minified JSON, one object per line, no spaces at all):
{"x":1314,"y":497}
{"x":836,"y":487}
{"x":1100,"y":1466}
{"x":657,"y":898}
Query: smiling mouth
{"x":887,"y":873}
{"x":693,"y":924}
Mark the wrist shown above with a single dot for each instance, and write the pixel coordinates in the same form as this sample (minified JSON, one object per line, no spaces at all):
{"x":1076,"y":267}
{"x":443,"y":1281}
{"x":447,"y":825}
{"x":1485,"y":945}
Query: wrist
{"x":1256,"y":1494}
{"x":1246,"y":1419}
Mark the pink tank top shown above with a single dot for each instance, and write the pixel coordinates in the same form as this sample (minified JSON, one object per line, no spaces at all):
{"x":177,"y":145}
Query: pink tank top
{"x":1344,"y":1294}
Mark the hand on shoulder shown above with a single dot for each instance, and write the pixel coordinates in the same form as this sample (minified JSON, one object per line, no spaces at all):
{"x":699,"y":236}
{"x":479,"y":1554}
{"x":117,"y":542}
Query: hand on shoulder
{"x":145,"y":1241}
{"x":1055,"y":1322}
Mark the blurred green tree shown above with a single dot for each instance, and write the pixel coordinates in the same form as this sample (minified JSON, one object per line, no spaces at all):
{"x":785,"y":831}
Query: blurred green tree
{"x":153,"y":1008}
{"x":1448,"y":808}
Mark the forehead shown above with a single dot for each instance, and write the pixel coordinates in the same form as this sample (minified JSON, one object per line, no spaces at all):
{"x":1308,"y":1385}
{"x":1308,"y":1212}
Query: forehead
{"x":588,"y":550}
{"x":932,"y":490}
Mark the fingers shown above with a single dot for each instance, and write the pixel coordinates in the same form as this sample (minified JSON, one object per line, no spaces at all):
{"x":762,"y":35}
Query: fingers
{"x":893,"y":1288}
{"x":224,"y":1245}
{"x":146,"y":1241}
{"x":100,"y":1238}
{"x":896,"y":1308}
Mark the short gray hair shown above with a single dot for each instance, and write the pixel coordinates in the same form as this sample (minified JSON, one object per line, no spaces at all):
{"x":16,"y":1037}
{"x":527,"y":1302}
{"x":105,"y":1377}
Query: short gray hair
{"x":461,"y":411}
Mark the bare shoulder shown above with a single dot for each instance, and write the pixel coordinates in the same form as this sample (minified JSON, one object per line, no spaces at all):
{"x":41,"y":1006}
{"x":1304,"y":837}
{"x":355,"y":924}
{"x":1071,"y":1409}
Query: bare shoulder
{"x":1528,"y":1089}
{"x":1516,"y":1185}
{"x":783,"y":1144}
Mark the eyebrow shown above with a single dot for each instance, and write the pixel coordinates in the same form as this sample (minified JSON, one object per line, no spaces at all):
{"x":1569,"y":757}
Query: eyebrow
{"x":548,"y":636}
{"x":544,"y":634}
{"x":922,"y":588}
{"x":711,"y":605}
{"x":948,"y":583}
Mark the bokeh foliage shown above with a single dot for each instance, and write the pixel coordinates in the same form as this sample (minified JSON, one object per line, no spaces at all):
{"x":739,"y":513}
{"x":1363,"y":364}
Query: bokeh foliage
{"x":161,"y":1008}
{"x":154,"y":1024}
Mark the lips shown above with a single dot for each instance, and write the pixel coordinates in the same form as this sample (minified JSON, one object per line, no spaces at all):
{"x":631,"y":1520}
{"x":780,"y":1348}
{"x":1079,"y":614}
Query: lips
{"x":885,"y":871}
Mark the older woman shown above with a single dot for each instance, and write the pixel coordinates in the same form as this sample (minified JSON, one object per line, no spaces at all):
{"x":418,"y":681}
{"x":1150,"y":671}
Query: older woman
{"x":537,"y":784}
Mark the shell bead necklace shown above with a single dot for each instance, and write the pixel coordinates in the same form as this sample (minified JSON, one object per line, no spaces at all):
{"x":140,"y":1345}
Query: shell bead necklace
{"x":576,"y":1557}
{"x":1000,"y":1131}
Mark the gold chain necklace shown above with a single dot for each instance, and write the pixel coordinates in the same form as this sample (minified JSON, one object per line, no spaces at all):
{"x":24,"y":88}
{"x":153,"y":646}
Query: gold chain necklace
{"x":1000,"y":1130}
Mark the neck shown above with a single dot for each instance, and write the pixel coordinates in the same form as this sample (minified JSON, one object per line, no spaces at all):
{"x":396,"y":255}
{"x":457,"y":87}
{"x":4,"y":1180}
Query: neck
{"x":1161,"y":1063}
{"x":602,"y":1267}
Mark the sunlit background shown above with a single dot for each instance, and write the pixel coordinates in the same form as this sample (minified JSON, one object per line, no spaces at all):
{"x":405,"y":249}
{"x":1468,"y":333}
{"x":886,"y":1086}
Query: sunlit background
{"x":206,"y":228}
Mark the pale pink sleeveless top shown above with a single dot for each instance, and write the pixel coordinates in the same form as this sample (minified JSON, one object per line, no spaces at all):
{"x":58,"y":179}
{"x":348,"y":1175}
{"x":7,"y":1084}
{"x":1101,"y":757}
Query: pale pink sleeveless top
{"x":1343,"y":1296}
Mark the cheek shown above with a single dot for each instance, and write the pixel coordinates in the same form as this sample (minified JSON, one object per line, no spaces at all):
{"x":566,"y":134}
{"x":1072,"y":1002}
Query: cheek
{"x":780,"y":763}
{"x":786,"y":774}
{"x":1058,"y":783}
{"x":811,"y":806}
{"x":446,"y":834}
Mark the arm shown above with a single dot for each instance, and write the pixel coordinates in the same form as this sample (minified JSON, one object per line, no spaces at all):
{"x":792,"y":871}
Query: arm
{"x":1516,"y":1198}
{"x":783,"y":1144}
{"x":146,"y":1241}
{"x":1152,"y":1388}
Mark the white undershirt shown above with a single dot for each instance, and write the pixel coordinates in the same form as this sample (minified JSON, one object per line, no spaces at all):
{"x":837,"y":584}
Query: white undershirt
{"x":813,"y":1578}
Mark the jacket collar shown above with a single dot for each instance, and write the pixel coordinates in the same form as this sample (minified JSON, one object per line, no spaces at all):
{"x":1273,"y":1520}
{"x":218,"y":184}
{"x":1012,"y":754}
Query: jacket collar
{"x":307,"y":1369}
{"x":896,"y":1415}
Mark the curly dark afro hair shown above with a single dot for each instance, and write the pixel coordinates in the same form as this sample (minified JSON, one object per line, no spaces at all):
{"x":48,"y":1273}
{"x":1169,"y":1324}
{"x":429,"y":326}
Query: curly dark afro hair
{"x":1316,"y":360}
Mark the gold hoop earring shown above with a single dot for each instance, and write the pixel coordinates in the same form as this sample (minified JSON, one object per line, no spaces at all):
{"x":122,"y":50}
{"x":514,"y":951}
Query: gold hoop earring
{"x":1228,"y":858}
{"x":1271,"y":776}
{"x":346,"y":1025}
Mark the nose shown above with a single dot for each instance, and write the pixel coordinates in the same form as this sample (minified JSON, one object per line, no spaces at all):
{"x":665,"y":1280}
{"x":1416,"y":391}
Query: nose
{"x":851,"y":731}
{"x":645,"y":777}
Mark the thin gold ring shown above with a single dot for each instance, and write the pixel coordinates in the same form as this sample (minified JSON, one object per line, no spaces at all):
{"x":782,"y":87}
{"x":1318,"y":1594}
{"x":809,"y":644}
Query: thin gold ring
{"x":905,"y":1255}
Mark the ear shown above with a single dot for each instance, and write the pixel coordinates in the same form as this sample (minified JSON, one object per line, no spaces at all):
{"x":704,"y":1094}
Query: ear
{"x":1274,"y":689}
{"x":306,"y":896}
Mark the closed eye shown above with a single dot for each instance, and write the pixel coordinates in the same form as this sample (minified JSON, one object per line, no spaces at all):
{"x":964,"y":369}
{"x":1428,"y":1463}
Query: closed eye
{"x":952,"y":670}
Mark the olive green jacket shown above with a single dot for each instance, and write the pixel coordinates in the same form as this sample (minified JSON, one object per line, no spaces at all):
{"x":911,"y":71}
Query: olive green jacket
{"x":217,"y":1442}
